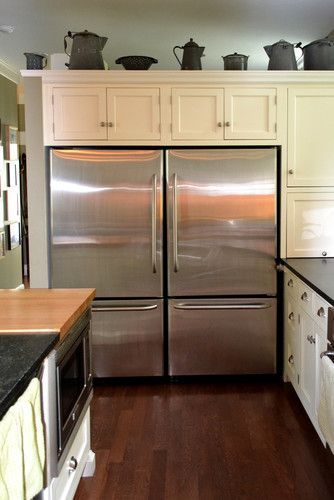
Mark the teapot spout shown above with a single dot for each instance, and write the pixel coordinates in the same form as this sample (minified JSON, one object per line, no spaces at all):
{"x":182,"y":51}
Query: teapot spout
{"x":268,"y":49}
{"x":103,"y":41}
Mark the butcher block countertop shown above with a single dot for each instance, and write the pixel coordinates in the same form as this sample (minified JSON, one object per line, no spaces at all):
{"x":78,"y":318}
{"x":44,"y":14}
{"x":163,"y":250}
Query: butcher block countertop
{"x":42,"y":310}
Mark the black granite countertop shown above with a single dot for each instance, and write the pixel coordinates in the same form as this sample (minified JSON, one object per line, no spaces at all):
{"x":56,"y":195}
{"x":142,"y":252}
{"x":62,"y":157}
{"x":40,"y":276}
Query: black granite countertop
{"x":20,"y":359}
{"x":318,"y":273}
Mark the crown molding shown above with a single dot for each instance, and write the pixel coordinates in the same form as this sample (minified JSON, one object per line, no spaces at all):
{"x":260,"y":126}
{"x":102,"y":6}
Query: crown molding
{"x":181,"y":77}
{"x":8,"y":72}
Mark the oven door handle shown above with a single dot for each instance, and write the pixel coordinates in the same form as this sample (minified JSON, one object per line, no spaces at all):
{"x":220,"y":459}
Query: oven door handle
{"x":327,"y":353}
{"x":124,"y":308}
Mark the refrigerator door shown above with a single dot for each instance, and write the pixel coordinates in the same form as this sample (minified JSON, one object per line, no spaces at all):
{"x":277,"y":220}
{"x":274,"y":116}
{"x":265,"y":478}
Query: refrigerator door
{"x":127,"y":338}
{"x":106,"y":221}
{"x":222,"y":336}
{"x":221,"y":221}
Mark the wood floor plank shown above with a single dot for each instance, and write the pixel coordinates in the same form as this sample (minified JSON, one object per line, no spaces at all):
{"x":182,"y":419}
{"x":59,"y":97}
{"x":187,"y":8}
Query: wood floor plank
{"x":205,"y":441}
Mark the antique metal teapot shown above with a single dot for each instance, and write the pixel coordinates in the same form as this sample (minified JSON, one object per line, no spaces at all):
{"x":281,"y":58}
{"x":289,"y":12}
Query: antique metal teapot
{"x":282,"y":55}
{"x":86,"y":52}
{"x":192,"y":54}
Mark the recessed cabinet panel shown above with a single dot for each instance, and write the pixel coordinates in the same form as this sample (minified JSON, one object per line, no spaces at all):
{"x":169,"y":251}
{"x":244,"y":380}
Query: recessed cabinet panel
{"x":197,"y":114}
{"x":310,"y":137}
{"x":79,"y":113}
{"x":250,"y":113}
{"x":133,"y":114}
{"x":310,"y":225}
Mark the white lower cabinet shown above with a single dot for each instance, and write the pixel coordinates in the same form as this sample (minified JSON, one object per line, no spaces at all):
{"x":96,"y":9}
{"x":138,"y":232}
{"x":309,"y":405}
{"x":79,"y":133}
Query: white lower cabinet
{"x":65,"y":485}
{"x":305,"y":337}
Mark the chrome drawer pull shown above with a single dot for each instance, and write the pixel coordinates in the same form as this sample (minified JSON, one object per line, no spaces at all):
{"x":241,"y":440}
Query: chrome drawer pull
{"x":290,"y":282}
{"x":305,"y":297}
{"x":291,"y":316}
{"x":321,"y":313}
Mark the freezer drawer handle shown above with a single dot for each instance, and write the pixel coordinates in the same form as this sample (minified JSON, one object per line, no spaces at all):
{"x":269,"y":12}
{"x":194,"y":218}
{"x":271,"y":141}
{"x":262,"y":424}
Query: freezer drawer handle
{"x":154,"y":223}
{"x":124,"y":308}
{"x":175,"y":235}
{"x":222,"y":306}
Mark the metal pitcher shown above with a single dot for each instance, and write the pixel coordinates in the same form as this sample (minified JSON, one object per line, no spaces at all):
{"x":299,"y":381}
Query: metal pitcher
{"x":192,"y":54}
{"x":86,"y":52}
{"x":35,"y":61}
{"x":235,"y":61}
{"x":282,"y":55}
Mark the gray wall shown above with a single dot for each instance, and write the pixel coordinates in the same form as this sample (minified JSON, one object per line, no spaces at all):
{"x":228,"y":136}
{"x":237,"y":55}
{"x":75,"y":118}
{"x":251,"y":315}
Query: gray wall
{"x":10,"y":265}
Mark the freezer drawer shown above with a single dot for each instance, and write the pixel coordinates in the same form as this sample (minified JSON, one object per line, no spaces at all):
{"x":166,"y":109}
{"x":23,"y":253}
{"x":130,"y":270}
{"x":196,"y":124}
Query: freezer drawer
{"x":222,"y":337}
{"x":127,"y":338}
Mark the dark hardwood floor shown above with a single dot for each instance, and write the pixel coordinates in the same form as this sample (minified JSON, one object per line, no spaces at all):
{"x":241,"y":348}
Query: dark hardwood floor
{"x":189,"y":441}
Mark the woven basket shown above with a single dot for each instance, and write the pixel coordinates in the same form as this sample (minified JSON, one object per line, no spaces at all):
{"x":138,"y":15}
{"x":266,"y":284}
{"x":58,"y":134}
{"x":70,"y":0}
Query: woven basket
{"x":136,"y":62}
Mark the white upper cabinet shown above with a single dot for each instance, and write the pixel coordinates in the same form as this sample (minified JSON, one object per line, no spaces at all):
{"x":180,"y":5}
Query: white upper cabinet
{"x":310,"y":219}
{"x":250,"y":113}
{"x":133,"y":113}
{"x":106,"y":114}
{"x":310,"y":137}
{"x":79,"y":113}
{"x":197,"y":114}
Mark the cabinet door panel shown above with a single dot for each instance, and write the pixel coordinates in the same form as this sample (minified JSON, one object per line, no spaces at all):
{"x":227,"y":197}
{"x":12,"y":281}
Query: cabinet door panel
{"x":197,"y":114}
{"x":292,"y":338}
{"x":310,"y":137}
{"x":250,"y":113}
{"x":133,"y":114}
{"x":79,"y":113}
{"x":310,"y":224}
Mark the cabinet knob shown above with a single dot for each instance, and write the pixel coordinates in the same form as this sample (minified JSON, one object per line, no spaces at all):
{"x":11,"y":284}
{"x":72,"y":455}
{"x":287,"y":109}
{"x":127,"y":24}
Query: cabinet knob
{"x":291,"y":360}
{"x":110,"y":124}
{"x":290,"y":171}
{"x":290,"y":283}
{"x":305,"y":297}
{"x":312,"y":339}
{"x":72,"y":464}
{"x":321,"y":313}
{"x":291,"y":316}
{"x":227,"y":124}
{"x":103,"y":124}
{"x":219,"y":124}
{"x":324,"y":253}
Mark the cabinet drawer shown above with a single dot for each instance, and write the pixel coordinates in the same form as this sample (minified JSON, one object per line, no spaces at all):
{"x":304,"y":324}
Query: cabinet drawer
{"x":320,"y":312}
{"x":291,"y":284}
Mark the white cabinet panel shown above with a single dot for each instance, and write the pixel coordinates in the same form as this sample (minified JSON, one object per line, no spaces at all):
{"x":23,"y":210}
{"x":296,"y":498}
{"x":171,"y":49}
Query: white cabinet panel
{"x":310,"y":224}
{"x":79,"y":113}
{"x":250,"y":113}
{"x":197,"y":113}
{"x":133,"y":113}
{"x":292,"y":339}
{"x":307,"y":361}
{"x":310,"y":137}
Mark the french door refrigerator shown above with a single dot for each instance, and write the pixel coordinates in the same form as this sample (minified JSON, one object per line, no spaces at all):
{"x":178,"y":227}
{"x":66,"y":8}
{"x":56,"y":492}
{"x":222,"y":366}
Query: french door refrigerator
{"x":181,"y":249}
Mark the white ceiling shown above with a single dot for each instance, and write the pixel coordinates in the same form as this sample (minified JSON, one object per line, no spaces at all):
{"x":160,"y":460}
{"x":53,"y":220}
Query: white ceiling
{"x":153,"y":27}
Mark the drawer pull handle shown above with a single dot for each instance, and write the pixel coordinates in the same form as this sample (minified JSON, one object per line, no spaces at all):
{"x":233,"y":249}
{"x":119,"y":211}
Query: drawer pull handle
{"x":321,"y":313}
{"x":291,"y":316}
{"x":290,"y":283}
{"x":291,"y":360}
{"x":72,"y":464}
{"x":305,"y":297}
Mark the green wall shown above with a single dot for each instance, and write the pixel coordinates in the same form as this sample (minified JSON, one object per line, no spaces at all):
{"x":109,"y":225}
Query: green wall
{"x":10,"y":265}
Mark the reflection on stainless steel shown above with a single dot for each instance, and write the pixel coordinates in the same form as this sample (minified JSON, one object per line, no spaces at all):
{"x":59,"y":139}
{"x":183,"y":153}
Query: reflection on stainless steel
{"x":226,"y":221}
{"x":222,"y":341}
{"x":127,"y":343}
{"x":106,"y":221}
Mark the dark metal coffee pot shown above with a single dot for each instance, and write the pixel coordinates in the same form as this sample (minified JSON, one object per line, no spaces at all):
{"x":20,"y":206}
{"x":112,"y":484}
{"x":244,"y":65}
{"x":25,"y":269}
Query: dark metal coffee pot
{"x":319,"y":54}
{"x":86,"y":52}
{"x":235,"y":61}
{"x":192,"y":54}
{"x":282,"y":55}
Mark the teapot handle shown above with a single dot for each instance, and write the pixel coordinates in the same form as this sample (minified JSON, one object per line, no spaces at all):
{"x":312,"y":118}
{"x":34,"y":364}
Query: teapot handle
{"x":177,"y":47}
{"x":45,"y":62}
{"x":69,"y":35}
{"x":299,"y":46}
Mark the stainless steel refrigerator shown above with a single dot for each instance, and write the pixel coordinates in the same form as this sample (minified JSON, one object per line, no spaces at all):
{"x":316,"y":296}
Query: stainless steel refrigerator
{"x":180,"y":246}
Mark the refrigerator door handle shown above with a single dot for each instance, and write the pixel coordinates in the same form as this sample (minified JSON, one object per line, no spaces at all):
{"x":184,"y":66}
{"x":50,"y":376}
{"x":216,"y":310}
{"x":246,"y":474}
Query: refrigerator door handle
{"x":123,"y":308}
{"x":175,"y":235}
{"x":154,"y":223}
{"x":221,"y":306}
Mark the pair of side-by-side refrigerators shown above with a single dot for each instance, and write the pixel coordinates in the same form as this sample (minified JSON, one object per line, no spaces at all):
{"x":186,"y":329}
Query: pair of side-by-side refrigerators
{"x":180,"y":245}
